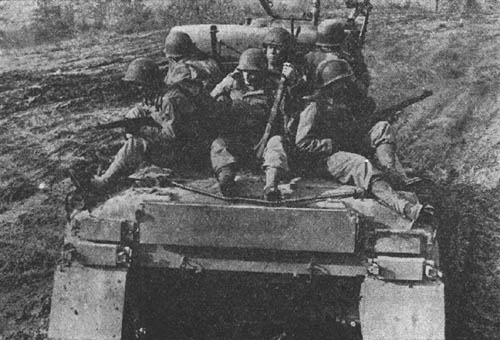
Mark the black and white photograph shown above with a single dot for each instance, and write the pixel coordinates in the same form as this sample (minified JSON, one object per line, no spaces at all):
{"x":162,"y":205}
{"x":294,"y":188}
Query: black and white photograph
{"x":249,"y":170}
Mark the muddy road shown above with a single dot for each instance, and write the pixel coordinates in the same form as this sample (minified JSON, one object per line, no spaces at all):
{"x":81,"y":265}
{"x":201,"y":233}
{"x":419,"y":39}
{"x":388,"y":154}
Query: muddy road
{"x":51,"y":96}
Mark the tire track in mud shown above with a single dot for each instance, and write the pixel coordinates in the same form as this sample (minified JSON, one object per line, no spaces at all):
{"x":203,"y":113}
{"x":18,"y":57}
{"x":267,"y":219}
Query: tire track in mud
{"x":45,"y":128}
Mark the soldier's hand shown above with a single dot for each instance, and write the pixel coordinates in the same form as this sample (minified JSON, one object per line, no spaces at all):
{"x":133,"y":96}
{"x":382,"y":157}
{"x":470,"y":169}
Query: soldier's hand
{"x":290,"y":73}
{"x":224,"y":101}
{"x":137,"y":112}
{"x":236,"y":74}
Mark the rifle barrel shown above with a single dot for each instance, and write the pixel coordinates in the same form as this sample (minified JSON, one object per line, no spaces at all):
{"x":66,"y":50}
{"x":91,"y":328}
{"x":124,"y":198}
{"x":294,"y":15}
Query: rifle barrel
{"x":387,"y":113}
{"x":129,"y":124}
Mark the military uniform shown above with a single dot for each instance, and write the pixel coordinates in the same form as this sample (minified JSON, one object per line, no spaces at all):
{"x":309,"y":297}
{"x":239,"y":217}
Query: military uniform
{"x":246,"y":122}
{"x":332,"y":44}
{"x":326,"y":135}
{"x":202,"y":69}
{"x":243,"y":129}
{"x":231,"y":87}
{"x":314,"y":58}
{"x":322,"y":142}
{"x":180,"y":49}
{"x":184,"y":114}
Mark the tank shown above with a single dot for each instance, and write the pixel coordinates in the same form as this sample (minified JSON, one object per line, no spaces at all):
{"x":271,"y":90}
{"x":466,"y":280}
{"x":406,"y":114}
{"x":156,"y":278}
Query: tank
{"x":180,"y":261}
{"x":172,"y":259}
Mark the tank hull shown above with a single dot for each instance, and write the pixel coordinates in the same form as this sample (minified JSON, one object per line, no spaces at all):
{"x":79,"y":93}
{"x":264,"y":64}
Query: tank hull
{"x":128,"y":252}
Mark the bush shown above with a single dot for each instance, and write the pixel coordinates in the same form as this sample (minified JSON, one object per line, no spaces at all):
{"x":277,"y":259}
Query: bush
{"x":57,"y":19}
{"x":130,"y":16}
{"x":51,"y":21}
{"x":202,"y":11}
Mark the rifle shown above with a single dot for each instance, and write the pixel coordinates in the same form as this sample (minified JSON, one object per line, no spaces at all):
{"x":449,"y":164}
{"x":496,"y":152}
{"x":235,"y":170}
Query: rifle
{"x":130,"y":124}
{"x":359,"y":8}
{"x":261,"y":145}
{"x":390,"y":114}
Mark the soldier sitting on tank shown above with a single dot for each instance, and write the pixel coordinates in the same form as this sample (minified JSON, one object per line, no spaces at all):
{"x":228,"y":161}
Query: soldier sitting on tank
{"x":183,"y":112}
{"x":279,"y":45}
{"x":327,"y":136}
{"x":331,"y":43}
{"x":180,"y":49}
{"x":252,"y":95}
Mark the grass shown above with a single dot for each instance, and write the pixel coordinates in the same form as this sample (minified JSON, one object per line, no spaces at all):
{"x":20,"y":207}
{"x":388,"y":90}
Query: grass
{"x":53,"y":21}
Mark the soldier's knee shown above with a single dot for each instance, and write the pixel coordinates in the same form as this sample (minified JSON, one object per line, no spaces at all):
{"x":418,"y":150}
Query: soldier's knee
{"x":220,"y":155}
{"x":363,"y":172}
{"x":218,"y":145}
{"x":275,"y":142}
{"x":275,"y":155}
{"x":381,"y":133}
{"x":346,"y":161}
{"x":358,"y":161}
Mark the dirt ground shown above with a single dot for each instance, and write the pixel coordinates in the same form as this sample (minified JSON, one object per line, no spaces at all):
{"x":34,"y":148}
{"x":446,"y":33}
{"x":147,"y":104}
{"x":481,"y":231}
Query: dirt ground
{"x":51,"y":95}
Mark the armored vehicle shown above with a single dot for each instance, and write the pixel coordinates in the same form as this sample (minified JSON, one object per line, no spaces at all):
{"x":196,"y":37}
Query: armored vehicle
{"x":179,"y":261}
{"x":172,"y":259}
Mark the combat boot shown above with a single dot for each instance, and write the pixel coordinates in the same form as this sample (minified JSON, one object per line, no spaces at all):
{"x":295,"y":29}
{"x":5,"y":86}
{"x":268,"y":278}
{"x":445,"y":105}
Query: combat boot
{"x":86,"y":183}
{"x":272,"y":194}
{"x":386,"y":195}
{"x":271,"y":191}
{"x":84,"y":196}
{"x":225,"y":177}
{"x":426,"y":218}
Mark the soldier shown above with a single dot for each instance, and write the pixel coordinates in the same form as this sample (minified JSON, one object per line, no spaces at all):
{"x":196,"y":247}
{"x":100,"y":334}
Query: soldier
{"x":252,"y":63}
{"x":179,"y":48}
{"x":278,"y":44}
{"x":331,"y":43}
{"x":324,"y":138}
{"x":252,"y":95}
{"x":180,"y":112}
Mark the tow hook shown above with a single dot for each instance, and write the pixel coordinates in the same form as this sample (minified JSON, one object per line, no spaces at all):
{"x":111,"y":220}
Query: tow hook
{"x":373,"y":267}
{"x":124,"y":256}
{"x":431,"y":272}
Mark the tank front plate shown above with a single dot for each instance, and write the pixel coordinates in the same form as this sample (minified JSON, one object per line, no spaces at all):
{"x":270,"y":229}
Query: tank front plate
{"x":237,"y":226}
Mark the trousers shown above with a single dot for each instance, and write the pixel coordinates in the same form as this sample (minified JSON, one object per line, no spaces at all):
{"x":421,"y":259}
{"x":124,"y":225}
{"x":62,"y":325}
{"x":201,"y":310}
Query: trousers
{"x":354,"y":169}
{"x":239,"y":151}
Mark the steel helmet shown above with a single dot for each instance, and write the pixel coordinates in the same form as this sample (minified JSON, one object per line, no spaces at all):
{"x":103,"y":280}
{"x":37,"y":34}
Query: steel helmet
{"x":252,"y":59}
{"x":278,"y":36}
{"x":178,"y":44}
{"x":331,"y":33}
{"x":142,"y":70}
{"x":331,"y":71}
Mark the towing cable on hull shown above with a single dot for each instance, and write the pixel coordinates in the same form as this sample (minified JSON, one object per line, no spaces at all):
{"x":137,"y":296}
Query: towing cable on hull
{"x":81,"y":198}
{"x":354,"y":192}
